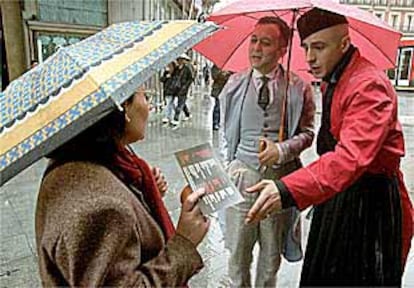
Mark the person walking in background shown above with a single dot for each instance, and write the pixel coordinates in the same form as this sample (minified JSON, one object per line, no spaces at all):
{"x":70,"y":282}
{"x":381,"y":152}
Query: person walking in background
{"x":171,"y":84}
{"x":206,"y":75}
{"x":185,"y":75}
{"x":196,"y":73}
{"x":362,"y":222}
{"x":251,"y":105}
{"x":100,"y":216}
{"x":220,"y":78}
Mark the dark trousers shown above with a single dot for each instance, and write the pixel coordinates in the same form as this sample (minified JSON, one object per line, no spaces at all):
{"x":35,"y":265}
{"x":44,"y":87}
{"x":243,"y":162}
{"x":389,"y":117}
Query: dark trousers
{"x":216,"y":112}
{"x":181,"y":106}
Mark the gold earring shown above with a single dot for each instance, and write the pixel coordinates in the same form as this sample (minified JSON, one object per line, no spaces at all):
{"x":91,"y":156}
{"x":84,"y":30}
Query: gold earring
{"x":127,"y":119}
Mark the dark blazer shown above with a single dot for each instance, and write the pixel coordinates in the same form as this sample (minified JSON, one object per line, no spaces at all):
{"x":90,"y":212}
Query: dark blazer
{"x":186,"y":78}
{"x":169,"y":79}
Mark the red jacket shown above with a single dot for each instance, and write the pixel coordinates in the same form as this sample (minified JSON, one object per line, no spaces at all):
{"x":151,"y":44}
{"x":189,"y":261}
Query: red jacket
{"x":364,"y":122}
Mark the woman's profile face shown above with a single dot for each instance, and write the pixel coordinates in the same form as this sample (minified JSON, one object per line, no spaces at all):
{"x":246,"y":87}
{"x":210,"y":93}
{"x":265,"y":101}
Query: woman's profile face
{"x":136,"y":112}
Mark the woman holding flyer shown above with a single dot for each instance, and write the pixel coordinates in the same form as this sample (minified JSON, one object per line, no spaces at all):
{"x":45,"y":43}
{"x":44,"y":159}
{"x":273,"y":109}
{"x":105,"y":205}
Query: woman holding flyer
{"x":100,"y":217}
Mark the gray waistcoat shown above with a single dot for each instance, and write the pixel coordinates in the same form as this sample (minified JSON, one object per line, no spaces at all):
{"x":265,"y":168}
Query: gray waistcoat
{"x":255,"y":123}
{"x":232,"y":100}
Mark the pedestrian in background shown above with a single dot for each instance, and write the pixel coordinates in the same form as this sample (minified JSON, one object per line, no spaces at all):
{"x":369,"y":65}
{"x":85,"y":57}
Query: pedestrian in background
{"x":100,"y":217}
{"x":220,"y":78}
{"x":206,"y":75}
{"x":185,"y":75}
{"x":196,"y":73}
{"x":362,"y":221}
{"x":251,"y":107}
{"x":171,"y":85}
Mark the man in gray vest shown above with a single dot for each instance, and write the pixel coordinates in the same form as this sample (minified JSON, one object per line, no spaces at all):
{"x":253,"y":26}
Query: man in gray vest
{"x":251,"y":105}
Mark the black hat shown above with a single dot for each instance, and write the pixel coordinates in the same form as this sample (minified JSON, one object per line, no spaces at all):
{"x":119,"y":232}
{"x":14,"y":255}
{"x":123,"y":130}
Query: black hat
{"x":316,"y":20}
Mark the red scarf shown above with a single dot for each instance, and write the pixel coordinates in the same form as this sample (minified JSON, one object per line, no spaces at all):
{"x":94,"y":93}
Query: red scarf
{"x":135,"y":171}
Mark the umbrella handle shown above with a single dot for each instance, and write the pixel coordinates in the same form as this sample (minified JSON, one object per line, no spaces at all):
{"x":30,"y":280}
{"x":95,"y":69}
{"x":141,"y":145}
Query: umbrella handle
{"x":283,"y":118}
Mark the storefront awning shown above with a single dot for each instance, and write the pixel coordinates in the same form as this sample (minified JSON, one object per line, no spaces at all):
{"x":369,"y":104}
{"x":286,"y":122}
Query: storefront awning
{"x":407,"y":43}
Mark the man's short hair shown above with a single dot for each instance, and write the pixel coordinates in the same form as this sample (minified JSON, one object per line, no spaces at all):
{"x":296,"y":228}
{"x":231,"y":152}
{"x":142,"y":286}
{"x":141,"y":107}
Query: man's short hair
{"x":316,"y":20}
{"x":283,"y":28}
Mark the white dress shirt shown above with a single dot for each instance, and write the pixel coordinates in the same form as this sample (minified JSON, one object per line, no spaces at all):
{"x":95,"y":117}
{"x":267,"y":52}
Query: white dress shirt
{"x":272,"y":83}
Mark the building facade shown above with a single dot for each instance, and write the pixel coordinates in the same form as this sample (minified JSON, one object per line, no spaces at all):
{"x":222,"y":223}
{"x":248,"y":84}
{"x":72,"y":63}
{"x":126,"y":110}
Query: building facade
{"x":32,"y":30}
{"x":399,"y":14}
{"x":4,"y":75}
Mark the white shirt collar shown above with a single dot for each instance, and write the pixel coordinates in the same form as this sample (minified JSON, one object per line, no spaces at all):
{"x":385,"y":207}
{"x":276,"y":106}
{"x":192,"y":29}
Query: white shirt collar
{"x":271,"y":75}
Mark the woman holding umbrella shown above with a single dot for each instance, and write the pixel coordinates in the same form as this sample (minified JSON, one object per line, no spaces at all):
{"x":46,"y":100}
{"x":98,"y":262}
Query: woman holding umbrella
{"x":100,"y":218}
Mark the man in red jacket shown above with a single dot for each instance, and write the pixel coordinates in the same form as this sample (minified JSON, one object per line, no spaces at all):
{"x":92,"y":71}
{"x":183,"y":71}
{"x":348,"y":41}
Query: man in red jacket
{"x":362,"y":226}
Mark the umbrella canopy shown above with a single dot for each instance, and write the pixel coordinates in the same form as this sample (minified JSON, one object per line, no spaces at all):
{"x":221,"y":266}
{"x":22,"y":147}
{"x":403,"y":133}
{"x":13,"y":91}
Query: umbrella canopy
{"x":228,"y":48}
{"x":81,"y":83}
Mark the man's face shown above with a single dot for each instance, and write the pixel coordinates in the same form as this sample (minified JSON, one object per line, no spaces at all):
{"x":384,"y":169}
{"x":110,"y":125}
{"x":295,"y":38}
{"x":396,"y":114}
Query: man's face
{"x":323,"y":50}
{"x":264,"y":48}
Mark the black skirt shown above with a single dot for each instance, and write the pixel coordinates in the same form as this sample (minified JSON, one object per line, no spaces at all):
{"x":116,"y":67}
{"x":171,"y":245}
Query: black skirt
{"x":355,"y":237}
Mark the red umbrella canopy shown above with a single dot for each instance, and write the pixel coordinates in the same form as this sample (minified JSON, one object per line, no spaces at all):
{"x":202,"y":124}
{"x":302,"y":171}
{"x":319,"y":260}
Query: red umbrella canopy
{"x":228,"y":48}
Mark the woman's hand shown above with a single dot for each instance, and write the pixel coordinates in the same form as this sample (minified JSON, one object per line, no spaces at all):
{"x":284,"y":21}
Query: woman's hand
{"x":160,"y":180}
{"x":185,"y":193}
{"x":192,"y":224}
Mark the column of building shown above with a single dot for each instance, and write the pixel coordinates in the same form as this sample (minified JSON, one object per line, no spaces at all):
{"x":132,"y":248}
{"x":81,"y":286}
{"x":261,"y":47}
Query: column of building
{"x":13,"y":38}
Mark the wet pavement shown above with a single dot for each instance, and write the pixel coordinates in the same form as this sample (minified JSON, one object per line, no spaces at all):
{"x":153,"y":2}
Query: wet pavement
{"x":18,"y":261}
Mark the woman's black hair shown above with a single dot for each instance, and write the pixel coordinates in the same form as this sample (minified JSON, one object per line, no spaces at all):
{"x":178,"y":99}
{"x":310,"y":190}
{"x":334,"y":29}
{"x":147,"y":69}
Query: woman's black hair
{"x":97,"y":143}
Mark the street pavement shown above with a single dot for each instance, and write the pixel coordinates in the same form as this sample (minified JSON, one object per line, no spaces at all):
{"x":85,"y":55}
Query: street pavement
{"x":18,"y":260}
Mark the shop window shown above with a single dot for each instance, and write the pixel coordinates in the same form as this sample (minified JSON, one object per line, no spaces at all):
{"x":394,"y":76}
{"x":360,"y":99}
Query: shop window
{"x":394,"y":21}
{"x":405,"y":63}
{"x":48,"y":44}
{"x":409,"y":23}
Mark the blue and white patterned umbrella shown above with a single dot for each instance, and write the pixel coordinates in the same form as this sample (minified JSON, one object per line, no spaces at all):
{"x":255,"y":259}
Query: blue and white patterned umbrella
{"x":81,"y":83}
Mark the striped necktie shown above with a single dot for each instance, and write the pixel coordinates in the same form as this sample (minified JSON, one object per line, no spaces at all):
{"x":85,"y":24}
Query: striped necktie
{"x":264,"y":98}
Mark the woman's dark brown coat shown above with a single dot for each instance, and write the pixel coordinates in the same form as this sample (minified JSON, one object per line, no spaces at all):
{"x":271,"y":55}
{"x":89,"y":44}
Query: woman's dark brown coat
{"x":91,"y":230}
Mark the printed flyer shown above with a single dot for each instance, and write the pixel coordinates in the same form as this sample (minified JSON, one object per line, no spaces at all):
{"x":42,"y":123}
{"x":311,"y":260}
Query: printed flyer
{"x":202,"y":168}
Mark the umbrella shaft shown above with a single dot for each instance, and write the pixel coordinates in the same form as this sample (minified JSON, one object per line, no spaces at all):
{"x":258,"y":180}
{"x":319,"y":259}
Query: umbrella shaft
{"x":285,"y":95}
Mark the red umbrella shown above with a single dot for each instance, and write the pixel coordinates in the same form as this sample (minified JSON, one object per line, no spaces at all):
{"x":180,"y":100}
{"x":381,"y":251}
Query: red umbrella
{"x":228,"y":48}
